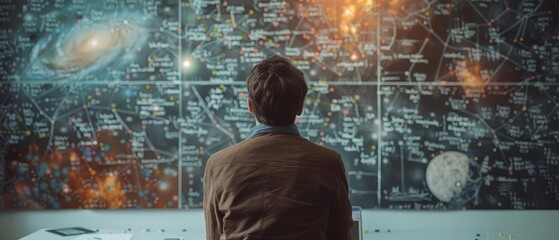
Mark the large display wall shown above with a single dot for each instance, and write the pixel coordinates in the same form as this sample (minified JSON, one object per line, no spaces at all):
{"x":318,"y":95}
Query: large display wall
{"x":432,"y":104}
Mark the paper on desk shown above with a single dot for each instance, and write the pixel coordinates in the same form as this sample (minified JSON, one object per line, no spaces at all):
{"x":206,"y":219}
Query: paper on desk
{"x":99,"y":236}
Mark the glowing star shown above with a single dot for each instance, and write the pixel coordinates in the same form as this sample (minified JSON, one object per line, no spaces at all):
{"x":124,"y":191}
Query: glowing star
{"x":350,"y":16}
{"x":163,"y":186}
{"x":186,"y":64}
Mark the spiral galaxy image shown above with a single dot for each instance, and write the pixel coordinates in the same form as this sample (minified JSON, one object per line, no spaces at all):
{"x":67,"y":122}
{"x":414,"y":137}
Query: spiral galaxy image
{"x":438,"y":104}
{"x":87,"y":46}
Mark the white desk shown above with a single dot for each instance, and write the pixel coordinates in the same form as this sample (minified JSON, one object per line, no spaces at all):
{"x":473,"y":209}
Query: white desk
{"x":145,"y":234}
{"x":416,"y":225}
{"x":374,"y":234}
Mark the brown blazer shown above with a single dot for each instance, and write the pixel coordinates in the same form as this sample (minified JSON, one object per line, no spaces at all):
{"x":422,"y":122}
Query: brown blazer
{"x":276,"y":186}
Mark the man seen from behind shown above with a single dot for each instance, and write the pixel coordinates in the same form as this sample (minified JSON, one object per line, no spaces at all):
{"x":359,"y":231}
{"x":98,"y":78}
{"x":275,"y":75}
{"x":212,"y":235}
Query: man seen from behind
{"x":276,"y":184}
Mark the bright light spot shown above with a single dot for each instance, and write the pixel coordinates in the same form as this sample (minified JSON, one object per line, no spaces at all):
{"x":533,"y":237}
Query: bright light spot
{"x":186,"y":63}
{"x":350,"y":12}
{"x":163,"y":186}
{"x":94,"y":43}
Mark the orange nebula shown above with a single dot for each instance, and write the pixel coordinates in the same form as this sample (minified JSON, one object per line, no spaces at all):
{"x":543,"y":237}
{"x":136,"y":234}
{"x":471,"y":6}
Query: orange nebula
{"x":108,"y":176}
{"x":349,"y":15}
{"x":469,"y":74}
{"x":110,"y":190}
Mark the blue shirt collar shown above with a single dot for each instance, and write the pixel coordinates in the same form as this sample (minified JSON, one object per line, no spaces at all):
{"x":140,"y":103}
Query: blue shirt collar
{"x":264,"y":128}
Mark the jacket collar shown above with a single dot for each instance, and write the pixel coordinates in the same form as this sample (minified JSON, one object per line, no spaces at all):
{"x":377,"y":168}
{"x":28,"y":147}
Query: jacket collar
{"x":264,"y":128}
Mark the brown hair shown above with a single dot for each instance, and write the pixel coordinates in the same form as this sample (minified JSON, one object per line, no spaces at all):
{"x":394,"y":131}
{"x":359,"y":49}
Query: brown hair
{"x":277,"y":90}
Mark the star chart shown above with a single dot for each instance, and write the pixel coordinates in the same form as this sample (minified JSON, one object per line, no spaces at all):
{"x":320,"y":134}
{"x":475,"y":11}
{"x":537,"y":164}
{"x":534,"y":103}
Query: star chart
{"x":432,"y":104}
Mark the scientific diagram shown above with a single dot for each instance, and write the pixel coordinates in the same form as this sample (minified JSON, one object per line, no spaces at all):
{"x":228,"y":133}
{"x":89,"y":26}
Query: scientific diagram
{"x":431,"y":104}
